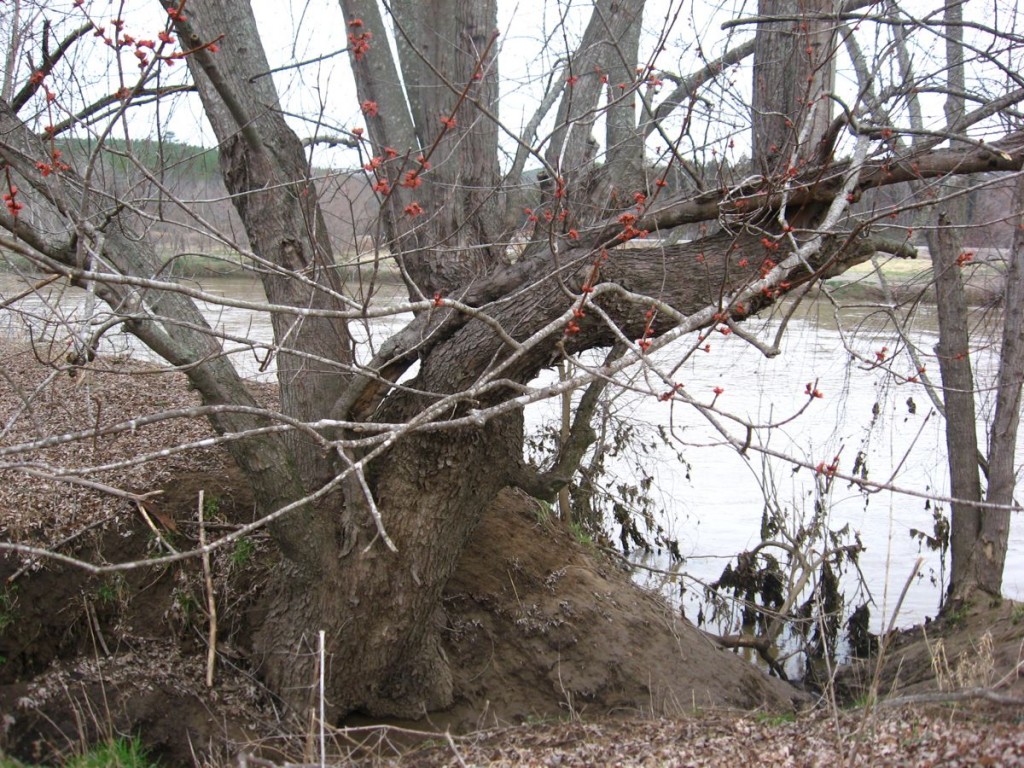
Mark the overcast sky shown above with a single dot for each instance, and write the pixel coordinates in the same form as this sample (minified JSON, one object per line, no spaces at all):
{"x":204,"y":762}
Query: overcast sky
{"x":530,"y":49}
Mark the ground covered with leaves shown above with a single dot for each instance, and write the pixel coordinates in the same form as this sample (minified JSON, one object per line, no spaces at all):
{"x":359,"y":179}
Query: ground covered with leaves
{"x":904,"y":737}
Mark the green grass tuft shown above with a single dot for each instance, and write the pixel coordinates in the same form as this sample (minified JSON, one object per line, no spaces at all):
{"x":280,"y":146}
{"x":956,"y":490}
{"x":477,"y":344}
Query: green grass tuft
{"x":119,"y":753}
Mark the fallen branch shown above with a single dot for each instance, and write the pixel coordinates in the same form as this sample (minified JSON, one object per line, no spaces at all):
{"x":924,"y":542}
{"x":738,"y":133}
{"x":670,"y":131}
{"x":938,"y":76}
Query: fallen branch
{"x":211,"y":653}
{"x":947,"y":697}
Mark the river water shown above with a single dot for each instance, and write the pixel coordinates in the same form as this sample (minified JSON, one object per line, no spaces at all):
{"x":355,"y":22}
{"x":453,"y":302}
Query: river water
{"x":712,"y":501}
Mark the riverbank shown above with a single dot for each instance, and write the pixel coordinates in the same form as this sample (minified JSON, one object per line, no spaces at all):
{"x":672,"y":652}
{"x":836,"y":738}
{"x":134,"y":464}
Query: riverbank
{"x":538,"y":626}
{"x":213,"y":264}
{"x":559,"y":658}
{"x":906,"y":281}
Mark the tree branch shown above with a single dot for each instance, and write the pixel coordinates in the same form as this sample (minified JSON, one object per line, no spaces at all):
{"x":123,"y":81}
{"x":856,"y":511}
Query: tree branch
{"x":22,"y":97}
{"x":546,"y":485}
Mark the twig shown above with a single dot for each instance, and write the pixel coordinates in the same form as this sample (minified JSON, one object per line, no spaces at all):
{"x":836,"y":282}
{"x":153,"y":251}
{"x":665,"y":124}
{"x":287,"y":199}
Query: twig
{"x":66,"y":540}
{"x":211,"y":603}
{"x":323,"y":742}
{"x":29,"y":291}
{"x":455,"y":751}
{"x":883,"y":647}
{"x":1010,"y":676}
{"x":943,"y":697}
{"x":94,"y":622}
{"x":374,"y":512}
{"x":85,"y":483}
{"x":153,"y":528}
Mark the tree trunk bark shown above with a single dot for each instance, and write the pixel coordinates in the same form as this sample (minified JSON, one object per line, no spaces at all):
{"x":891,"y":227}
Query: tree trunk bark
{"x":794,"y":70}
{"x":994,"y":529}
{"x":958,"y":397}
{"x":265,"y":169}
{"x":381,"y":609}
{"x":449,"y":64}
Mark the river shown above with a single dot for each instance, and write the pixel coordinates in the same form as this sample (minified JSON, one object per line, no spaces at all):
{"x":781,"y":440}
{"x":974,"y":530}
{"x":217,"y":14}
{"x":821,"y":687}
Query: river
{"x":712,"y":504}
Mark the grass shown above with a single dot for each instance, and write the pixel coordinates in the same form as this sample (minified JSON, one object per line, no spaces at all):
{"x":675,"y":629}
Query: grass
{"x":117,"y":753}
{"x":113,"y":591}
{"x":775,"y":719}
{"x":894,"y":267}
{"x":8,"y":601}
{"x":242,"y":554}
{"x":581,"y":534}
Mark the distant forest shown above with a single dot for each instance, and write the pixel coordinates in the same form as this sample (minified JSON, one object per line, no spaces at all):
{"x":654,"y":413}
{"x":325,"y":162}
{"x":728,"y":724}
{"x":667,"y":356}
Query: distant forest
{"x":177,"y":191}
{"x":178,"y":194}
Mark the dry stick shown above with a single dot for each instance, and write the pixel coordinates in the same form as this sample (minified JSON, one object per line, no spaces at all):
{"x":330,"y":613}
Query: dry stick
{"x":94,"y":624}
{"x":455,"y":750}
{"x":323,"y":748}
{"x":883,"y":646}
{"x":154,"y":529}
{"x":29,"y":291}
{"x":30,"y":564}
{"x":1009,"y":676}
{"x":211,"y":604}
{"x":964,"y":694}
{"x":945,"y":697}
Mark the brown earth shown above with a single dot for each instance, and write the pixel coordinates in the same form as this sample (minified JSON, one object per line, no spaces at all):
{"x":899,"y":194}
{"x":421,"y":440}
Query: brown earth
{"x":537,"y":629}
{"x":540,"y":629}
{"x":537,"y":626}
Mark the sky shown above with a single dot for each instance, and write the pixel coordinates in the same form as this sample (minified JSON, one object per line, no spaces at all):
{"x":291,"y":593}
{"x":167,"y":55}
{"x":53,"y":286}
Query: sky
{"x":531,"y":44}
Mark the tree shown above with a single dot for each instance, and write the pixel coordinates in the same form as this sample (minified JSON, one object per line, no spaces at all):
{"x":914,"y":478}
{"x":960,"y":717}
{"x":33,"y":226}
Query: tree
{"x":373,"y":472}
{"x":979,"y":521}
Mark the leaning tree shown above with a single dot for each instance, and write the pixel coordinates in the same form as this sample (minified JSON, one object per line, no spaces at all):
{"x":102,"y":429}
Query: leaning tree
{"x":380,"y":459}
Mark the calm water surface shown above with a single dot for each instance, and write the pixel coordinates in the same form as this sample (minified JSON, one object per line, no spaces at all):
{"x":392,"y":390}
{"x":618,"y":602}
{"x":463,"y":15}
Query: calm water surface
{"x":714,"y":506}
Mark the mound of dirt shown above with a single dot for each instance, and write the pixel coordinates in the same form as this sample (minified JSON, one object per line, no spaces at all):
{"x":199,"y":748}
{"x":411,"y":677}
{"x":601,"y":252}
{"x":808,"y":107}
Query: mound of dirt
{"x":537,"y":626}
{"x":540,"y":627}
{"x":976,"y":652}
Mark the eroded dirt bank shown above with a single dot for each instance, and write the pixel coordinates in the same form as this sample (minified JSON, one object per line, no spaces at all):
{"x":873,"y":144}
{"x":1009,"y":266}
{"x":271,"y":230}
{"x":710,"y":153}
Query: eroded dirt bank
{"x":536,"y":625}
{"x":539,"y":629}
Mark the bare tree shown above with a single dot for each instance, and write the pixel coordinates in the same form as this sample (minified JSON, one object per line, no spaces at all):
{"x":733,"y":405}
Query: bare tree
{"x":381,"y":458}
{"x":979,"y":527}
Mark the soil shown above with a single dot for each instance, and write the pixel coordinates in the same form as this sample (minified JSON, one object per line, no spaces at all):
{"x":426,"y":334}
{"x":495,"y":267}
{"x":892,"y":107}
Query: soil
{"x":559,"y":657}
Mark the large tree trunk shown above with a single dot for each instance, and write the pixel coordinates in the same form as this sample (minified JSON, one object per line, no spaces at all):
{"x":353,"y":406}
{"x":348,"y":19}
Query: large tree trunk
{"x":448,"y":61}
{"x":978,"y":535}
{"x":989,"y":550}
{"x":379,"y":608}
{"x":793,"y":74}
{"x":266,"y":172}
{"x":953,"y":352}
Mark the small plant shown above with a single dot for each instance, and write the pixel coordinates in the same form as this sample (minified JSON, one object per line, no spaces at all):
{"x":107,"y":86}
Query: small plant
{"x":185,"y":604}
{"x":112,"y":592}
{"x":956,"y":619}
{"x":211,"y":506}
{"x":242,"y":553}
{"x":1017,"y":615}
{"x":8,"y":603}
{"x":542,"y":510}
{"x":768,"y":719}
{"x":118,"y":753}
{"x":580,"y":533}
{"x":106,"y":594}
